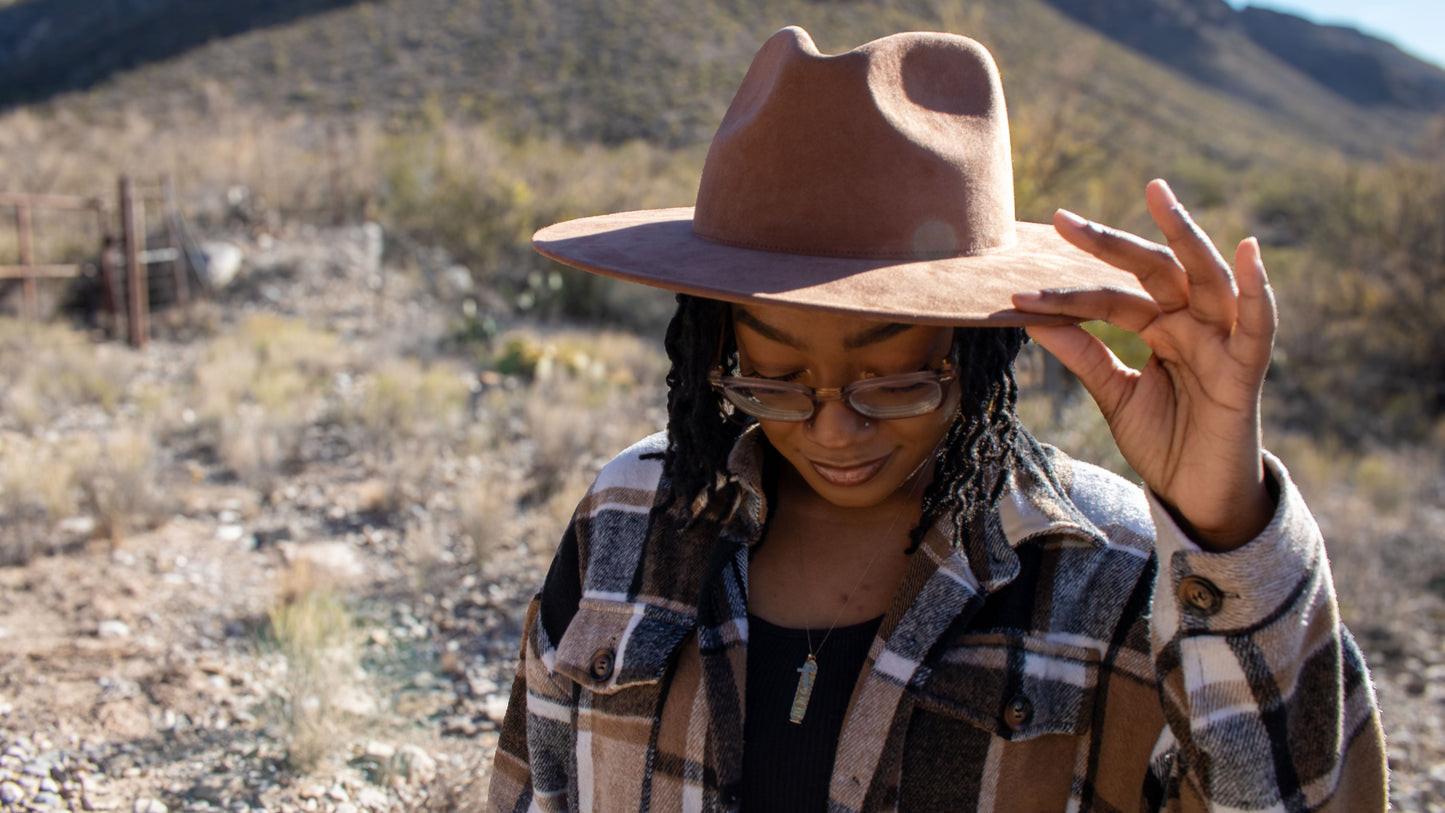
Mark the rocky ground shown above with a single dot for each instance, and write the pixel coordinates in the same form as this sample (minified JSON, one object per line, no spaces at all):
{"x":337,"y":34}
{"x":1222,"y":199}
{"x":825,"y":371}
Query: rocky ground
{"x":139,"y":674}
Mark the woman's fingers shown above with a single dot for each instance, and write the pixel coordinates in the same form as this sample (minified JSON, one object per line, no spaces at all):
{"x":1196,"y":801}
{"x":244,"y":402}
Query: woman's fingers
{"x":1107,"y":379}
{"x":1155,"y":265}
{"x":1130,"y":310}
{"x":1188,"y":273}
{"x":1258,"y":319}
{"x":1211,"y":293}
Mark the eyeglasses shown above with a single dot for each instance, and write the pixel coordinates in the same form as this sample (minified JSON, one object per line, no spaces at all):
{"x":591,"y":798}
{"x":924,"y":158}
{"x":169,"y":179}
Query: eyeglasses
{"x":884,"y":398}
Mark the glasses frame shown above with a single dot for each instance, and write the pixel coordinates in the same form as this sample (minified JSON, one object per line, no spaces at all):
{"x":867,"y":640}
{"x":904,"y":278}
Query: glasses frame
{"x":723,"y":383}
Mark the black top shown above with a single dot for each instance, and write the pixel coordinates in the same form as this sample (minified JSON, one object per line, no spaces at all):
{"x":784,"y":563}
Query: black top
{"x":786,"y":765}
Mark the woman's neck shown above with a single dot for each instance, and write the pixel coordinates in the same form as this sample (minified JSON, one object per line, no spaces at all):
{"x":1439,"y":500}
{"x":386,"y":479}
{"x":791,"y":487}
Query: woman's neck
{"x":822,"y":565}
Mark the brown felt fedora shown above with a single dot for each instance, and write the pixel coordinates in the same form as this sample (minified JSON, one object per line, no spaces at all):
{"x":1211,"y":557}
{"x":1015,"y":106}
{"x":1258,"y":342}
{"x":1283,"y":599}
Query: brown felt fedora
{"x":877,"y":182}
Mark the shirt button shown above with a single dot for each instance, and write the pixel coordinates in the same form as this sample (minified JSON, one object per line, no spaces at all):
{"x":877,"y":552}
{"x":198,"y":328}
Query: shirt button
{"x":1018,"y":712}
{"x":602,"y":663}
{"x":1200,"y":596}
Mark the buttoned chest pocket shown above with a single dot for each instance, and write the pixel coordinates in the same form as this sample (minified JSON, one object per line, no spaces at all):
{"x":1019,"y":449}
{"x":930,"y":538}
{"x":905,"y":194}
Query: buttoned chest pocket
{"x":999,"y":718}
{"x":610,"y":646}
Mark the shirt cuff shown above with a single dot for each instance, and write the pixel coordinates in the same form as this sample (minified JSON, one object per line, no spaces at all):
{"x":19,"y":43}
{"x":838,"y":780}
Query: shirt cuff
{"x":1243,"y":588}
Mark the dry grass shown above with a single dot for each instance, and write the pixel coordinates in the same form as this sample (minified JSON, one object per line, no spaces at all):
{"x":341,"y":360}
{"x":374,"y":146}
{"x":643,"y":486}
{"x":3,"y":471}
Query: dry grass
{"x":58,"y":490}
{"x":1382,"y":512}
{"x":37,"y":490}
{"x":118,"y":480}
{"x":313,"y":631}
{"x":400,"y":402}
{"x":49,"y":368}
{"x":69,"y":453}
{"x":487,"y":513}
{"x":258,"y":388}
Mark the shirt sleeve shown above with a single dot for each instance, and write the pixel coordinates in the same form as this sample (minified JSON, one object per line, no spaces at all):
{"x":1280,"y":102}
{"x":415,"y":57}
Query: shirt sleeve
{"x":1267,"y":697}
{"x":531,"y":768}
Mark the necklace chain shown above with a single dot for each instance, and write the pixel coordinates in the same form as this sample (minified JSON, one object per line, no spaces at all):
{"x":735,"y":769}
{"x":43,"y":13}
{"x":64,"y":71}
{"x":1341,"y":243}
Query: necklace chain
{"x":808,"y":672}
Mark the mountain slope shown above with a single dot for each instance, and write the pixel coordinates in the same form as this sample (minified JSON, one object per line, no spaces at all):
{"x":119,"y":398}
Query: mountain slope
{"x":1367,"y":71}
{"x":1364,"y":93}
{"x":615,"y":70}
{"x":53,"y":46}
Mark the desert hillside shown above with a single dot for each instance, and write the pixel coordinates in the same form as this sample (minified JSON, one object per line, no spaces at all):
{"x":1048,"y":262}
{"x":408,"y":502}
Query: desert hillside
{"x":279,"y":559}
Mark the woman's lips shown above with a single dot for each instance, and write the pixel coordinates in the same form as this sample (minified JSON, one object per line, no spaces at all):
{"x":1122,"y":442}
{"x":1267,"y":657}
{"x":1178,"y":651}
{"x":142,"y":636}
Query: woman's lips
{"x":847,"y":475}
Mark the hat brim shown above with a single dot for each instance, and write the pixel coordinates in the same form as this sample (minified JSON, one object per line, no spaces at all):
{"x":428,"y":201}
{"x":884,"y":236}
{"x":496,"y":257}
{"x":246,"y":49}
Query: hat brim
{"x":657,"y":247}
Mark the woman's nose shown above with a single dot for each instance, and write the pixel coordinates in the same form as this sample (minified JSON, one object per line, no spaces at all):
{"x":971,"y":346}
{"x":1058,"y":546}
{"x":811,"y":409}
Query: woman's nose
{"x":836,"y":424}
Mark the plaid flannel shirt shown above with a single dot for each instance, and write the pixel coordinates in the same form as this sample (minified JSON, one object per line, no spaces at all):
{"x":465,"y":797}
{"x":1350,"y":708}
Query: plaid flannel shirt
{"x":1075,"y":651}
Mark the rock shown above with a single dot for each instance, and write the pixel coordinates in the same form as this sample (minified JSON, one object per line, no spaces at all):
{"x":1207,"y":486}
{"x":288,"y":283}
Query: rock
{"x":459,"y":726}
{"x":379,"y":751}
{"x":496,"y":707}
{"x":78,"y":526}
{"x":145,"y":804}
{"x":415,"y":764}
{"x":309,"y":790}
{"x":45,"y":799}
{"x":111,"y":630}
{"x":214,"y":791}
{"x":373,"y":798}
{"x":454,"y":282}
{"x":11,"y":793}
{"x":220,"y":263}
{"x":336,"y":559}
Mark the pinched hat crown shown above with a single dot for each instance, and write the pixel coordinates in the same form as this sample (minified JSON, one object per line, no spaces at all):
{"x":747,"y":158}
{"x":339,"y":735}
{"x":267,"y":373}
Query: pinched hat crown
{"x":898,"y":149}
{"x":877,"y":183}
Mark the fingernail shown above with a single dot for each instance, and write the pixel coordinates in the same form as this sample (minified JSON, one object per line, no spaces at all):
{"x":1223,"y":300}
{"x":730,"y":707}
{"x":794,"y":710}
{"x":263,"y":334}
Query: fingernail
{"x":1168,"y":190}
{"x":1028,"y":297}
{"x":1072,"y":219}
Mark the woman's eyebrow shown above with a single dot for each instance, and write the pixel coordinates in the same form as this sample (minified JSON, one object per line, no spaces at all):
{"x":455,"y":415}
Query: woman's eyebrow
{"x":871,"y":335}
{"x":765,"y":330}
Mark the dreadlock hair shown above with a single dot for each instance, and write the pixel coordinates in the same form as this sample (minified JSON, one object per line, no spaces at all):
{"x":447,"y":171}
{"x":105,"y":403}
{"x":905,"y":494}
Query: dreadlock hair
{"x":700,"y":436}
{"x":973,"y":458}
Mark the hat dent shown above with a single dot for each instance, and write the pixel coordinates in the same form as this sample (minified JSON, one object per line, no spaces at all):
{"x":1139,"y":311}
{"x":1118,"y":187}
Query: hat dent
{"x":896,"y":147}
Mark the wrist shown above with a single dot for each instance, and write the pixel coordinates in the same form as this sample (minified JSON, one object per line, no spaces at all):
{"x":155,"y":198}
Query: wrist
{"x":1249,"y":514}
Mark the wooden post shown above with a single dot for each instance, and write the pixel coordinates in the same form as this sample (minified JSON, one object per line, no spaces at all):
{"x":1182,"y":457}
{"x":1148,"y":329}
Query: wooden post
{"x":133,"y":233}
{"x":107,"y":283}
{"x":107,"y":271}
{"x":333,"y":161}
{"x":173,"y":234}
{"x":27,"y":259}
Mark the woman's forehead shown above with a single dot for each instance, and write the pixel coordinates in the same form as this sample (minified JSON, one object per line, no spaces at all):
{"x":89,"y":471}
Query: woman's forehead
{"x":804,"y":328}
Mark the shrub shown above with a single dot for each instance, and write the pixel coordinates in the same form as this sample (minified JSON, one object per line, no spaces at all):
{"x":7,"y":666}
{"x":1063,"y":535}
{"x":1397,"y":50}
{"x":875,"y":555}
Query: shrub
{"x":311,"y":629}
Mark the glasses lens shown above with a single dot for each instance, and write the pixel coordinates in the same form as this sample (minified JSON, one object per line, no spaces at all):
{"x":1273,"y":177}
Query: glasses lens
{"x":903,"y":397}
{"x":769,"y":402}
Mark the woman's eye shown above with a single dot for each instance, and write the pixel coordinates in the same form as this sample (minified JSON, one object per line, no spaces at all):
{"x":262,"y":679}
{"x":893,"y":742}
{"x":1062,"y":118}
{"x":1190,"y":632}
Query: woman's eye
{"x":793,"y":376}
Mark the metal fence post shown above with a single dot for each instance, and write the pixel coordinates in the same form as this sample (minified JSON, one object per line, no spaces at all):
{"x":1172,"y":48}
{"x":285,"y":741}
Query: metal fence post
{"x":133,"y":232}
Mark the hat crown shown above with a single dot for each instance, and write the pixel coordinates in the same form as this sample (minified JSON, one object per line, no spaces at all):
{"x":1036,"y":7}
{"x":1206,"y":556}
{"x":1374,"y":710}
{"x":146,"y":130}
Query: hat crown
{"x":897,"y":149}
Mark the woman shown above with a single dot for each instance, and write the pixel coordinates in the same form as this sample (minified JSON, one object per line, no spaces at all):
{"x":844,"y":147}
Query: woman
{"x":845,"y":578}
